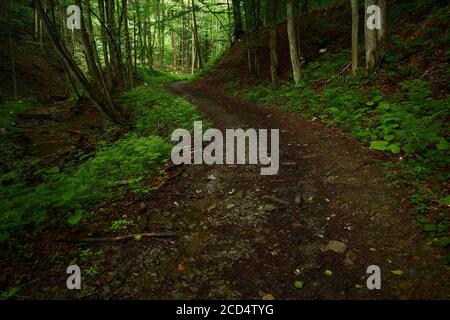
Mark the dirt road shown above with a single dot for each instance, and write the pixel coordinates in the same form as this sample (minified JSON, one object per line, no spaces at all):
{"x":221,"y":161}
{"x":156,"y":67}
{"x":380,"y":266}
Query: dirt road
{"x":309,"y":232}
{"x":260,"y":234}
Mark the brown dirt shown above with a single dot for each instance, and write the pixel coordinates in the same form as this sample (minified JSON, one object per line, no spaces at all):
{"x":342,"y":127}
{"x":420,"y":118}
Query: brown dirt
{"x":232,"y":245}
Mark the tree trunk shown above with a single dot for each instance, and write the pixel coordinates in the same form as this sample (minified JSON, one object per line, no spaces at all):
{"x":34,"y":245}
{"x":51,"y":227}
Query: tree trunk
{"x":109,"y":14}
{"x":129,"y":62}
{"x":12,"y":48}
{"x":236,"y":4}
{"x":292,"y":37}
{"x":92,"y":59}
{"x":174,"y":50}
{"x":140,"y":35}
{"x":273,"y":40}
{"x":193,"y":54}
{"x":382,"y":33}
{"x":355,"y":24}
{"x":375,"y":38}
{"x":196,"y":39}
{"x":104,"y":35}
{"x":41,"y":34}
{"x":111,"y":111}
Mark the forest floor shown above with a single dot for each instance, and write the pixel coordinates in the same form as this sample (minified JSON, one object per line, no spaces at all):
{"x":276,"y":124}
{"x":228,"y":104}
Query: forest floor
{"x":241,"y":235}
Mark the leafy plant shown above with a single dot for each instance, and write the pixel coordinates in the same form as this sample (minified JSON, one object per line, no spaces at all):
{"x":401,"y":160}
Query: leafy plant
{"x":114,"y":169}
{"x":119,"y":224}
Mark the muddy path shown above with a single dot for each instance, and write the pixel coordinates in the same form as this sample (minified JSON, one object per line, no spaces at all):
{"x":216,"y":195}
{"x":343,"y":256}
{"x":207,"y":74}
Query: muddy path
{"x":266,"y":232}
{"x":325,"y":217}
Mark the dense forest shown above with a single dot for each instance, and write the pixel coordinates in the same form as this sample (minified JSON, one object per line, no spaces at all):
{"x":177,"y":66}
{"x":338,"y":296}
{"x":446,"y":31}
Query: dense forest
{"x":92,"y":91}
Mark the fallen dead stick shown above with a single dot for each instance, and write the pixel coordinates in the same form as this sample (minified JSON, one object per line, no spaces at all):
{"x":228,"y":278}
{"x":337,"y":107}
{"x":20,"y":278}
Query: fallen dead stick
{"x":340,"y":72}
{"x":164,"y":182}
{"x":125,"y":237}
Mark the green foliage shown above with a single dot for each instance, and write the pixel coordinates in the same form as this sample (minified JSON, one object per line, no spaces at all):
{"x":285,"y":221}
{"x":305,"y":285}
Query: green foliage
{"x":9,"y":110}
{"x":116,"y":225}
{"x":8,"y":294}
{"x":158,"y":111}
{"x":410,"y":123}
{"x":115,"y":169}
{"x":75,"y":218}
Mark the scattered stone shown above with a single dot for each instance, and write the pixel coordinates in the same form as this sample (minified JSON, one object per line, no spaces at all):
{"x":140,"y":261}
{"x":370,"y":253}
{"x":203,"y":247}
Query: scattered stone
{"x":288,"y":163}
{"x":336,"y":246}
{"x":350,"y":258}
{"x":298,"y":198}
{"x":269,"y":207}
{"x":268,"y":297}
{"x":230,"y":206}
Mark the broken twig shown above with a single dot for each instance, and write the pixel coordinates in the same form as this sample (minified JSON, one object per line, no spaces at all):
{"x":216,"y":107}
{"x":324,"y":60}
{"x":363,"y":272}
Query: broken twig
{"x":124,"y":237}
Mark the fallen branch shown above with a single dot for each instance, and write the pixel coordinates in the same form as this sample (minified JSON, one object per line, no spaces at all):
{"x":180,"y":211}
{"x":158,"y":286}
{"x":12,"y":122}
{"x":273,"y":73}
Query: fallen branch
{"x":340,"y":72}
{"x":429,"y":70}
{"x":120,"y":238}
{"x":164,"y":182}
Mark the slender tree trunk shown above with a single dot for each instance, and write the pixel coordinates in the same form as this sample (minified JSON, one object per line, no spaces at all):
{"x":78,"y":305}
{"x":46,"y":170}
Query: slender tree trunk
{"x":182,"y":38}
{"x":355,"y":24}
{"x":153,"y":42}
{"x":12,"y":48}
{"x":196,"y":39}
{"x":36,"y":24}
{"x":90,"y":32}
{"x":382,"y":33}
{"x":194,"y":53}
{"x":236,"y":4}
{"x":161,"y":30}
{"x":273,"y":40}
{"x":41,"y":34}
{"x":129,"y":62}
{"x":292,"y":37}
{"x":146,"y":36}
{"x":141,"y":35}
{"x":109,"y":8}
{"x":375,"y":38}
{"x":251,"y":23}
{"x":104,"y":36}
{"x":71,"y":66}
{"x":92,"y":60}
{"x":135,"y":45}
{"x":88,"y":48}
{"x":174,"y":50}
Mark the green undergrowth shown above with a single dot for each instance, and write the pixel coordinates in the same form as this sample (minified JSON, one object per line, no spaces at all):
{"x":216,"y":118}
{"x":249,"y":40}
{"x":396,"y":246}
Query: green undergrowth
{"x":67,"y":195}
{"x":9,"y":110}
{"x":410,"y":125}
{"x":10,"y":133}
